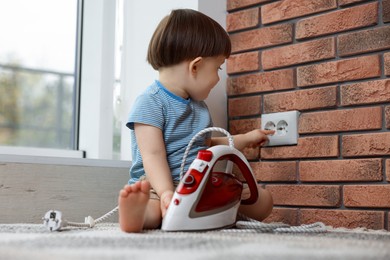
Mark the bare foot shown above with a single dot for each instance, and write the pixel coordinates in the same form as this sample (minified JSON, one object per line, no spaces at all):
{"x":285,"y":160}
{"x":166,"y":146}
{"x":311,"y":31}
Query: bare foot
{"x":132,"y":203}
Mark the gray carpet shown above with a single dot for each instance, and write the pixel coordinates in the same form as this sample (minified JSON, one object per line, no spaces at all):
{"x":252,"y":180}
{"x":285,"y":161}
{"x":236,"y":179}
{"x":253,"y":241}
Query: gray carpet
{"x":106,"y":241}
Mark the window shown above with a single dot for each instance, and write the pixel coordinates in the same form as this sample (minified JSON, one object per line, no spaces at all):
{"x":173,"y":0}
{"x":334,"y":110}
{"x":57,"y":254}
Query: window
{"x":70,"y":71}
{"x":38,"y":79}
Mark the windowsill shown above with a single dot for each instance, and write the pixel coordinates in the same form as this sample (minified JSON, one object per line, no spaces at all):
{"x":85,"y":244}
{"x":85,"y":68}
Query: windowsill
{"x":35,"y":151}
{"x":33,"y":159}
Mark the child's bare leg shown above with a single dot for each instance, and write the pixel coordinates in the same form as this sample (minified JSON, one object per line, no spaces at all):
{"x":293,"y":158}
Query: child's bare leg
{"x":261,"y":208}
{"x":134,"y":209}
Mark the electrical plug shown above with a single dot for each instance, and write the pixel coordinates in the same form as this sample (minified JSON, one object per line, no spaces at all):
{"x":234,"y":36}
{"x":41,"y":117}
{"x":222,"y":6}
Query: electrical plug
{"x":53,"y":220}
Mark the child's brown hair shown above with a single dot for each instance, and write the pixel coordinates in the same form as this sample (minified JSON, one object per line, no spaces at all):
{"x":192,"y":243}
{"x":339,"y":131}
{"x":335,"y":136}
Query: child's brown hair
{"x":184,"y":35}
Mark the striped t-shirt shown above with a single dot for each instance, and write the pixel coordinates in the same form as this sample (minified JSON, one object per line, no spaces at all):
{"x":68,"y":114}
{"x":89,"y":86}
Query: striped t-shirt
{"x":179,"y":119}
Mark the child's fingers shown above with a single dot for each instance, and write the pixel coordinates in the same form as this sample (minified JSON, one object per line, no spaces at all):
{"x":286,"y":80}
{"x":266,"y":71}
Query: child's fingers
{"x":165,"y":201}
{"x":268,"y":132}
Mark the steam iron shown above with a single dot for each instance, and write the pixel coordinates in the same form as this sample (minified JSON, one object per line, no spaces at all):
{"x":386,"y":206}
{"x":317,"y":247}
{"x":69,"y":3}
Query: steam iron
{"x":206,"y":199}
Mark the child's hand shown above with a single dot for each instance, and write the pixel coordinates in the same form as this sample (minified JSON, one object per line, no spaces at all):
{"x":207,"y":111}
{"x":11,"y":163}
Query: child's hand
{"x":258,"y":137}
{"x":165,"y":199}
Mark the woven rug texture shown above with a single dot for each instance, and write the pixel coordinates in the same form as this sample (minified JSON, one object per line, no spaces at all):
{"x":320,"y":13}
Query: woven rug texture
{"x":106,"y":241}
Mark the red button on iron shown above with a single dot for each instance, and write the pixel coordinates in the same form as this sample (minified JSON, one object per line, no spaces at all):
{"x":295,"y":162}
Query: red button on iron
{"x":205,"y":155}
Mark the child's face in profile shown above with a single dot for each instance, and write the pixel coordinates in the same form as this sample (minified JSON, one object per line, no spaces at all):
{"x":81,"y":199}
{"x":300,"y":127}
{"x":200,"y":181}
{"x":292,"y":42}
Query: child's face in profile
{"x":207,"y":77}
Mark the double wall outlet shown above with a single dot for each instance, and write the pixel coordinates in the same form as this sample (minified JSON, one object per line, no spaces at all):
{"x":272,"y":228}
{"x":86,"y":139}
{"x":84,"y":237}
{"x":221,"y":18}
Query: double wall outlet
{"x":285,"y":125}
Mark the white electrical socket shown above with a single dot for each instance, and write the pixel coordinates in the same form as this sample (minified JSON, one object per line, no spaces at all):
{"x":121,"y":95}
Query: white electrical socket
{"x":285,"y":125}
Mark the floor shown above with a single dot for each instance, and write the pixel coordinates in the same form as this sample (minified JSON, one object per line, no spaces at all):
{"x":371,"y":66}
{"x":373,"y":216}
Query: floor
{"x":106,"y":241}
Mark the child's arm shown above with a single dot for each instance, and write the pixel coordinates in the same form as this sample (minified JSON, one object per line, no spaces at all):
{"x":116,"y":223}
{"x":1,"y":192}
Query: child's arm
{"x":253,"y":139}
{"x":152,"y":147}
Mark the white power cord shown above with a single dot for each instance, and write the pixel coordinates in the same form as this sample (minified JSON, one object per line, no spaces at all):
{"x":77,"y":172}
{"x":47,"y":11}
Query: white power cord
{"x":206,"y":130}
{"x":54,"y":221}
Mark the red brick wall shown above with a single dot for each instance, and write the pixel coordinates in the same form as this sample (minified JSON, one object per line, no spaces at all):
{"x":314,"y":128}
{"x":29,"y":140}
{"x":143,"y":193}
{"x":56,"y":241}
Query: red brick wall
{"x":329,"y":59}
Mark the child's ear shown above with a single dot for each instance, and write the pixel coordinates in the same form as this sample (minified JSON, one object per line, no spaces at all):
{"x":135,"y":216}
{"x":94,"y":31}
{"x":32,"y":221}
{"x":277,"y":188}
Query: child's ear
{"x":194,"y":65}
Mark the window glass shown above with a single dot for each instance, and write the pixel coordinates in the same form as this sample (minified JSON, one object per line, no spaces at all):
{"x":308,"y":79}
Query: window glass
{"x":37,"y":73}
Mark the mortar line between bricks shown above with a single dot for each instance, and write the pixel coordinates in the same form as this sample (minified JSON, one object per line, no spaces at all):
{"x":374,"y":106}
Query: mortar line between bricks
{"x":380,"y":11}
{"x":340,"y":146}
{"x":382,"y":65}
{"x":342,"y":205}
{"x":384,"y":177}
{"x":262,"y":106}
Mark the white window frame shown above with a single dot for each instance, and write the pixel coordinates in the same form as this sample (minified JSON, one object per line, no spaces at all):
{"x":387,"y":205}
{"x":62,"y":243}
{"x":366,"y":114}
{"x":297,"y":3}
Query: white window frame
{"x":97,"y":79}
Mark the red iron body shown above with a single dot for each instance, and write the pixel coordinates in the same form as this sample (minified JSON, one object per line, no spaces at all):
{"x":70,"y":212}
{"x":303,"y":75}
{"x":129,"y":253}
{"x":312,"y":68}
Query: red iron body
{"x":207,"y":199}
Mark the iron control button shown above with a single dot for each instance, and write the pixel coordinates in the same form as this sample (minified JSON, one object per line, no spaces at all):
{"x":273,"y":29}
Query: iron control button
{"x":198,"y":165}
{"x":205,"y":155}
{"x":189,"y":180}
